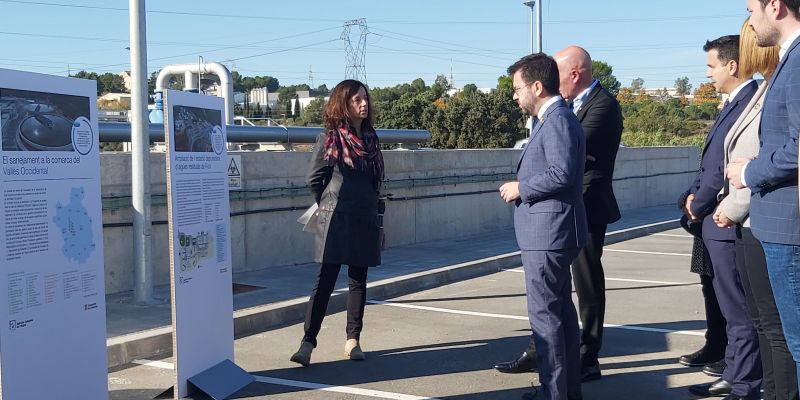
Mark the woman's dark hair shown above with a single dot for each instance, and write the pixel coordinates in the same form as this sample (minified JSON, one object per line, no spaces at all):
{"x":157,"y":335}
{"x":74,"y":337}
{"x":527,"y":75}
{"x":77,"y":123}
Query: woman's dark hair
{"x":337,"y":111}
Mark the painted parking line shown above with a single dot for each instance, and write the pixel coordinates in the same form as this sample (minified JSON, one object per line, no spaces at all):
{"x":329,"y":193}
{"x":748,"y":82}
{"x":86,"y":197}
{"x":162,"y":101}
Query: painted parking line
{"x":672,"y":235}
{"x":658,"y":253}
{"x":525,"y":318}
{"x":155,"y":364}
{"x":519,"y":270}
{"x":308,"y":385}
{"x":340,"y":389}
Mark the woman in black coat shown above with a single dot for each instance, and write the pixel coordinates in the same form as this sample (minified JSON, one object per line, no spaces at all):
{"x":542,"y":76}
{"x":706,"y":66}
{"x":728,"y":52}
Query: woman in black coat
{"x":345,"y":176}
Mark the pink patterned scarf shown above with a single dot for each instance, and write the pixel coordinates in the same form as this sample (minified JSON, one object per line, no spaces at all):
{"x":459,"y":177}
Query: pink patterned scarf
{"x":343,"y":145}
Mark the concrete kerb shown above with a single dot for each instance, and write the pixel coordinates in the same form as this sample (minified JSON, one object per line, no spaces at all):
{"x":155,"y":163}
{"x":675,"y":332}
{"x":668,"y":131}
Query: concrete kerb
{"x":158,"y":342}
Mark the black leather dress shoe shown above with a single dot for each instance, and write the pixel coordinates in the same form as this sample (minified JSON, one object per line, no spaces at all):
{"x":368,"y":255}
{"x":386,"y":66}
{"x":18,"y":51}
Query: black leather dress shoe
{"x":715,"y":369}
{"x":700,"y":358}
{"x":591,"y":373}
{"x":524,"y":363}
{"x":716,"y":388}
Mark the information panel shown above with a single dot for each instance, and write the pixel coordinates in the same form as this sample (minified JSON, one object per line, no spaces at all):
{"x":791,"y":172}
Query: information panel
{"x":199,"y":226}
{"x":53,"y":327}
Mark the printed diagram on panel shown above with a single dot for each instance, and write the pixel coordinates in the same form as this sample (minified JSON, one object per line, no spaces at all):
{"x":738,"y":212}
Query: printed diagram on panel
{"x":75,"y":225}
{"x":193,"y":249}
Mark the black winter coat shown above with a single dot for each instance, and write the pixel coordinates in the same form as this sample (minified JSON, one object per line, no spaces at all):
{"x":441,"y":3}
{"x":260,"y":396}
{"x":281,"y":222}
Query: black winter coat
{"x":345,"y":225}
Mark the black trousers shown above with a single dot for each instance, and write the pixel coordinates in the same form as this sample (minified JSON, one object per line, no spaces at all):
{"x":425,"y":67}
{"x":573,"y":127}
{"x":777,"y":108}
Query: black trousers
{"x":780,"y":376}
{"x":321,"y":294}
{"x":590,"y":286}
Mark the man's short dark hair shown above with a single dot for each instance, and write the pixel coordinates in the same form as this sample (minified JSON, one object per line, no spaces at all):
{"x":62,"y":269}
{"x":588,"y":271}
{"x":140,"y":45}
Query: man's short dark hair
{"x":538,"y":67}
{"x":727,"y":47}
{"x":792,"y":5}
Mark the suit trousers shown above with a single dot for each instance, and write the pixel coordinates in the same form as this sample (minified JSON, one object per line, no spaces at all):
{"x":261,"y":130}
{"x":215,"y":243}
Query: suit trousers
{"x":590,"y":286}
{"x":554,"y":322}
{"x":321,"y":295}
{"x":742,"y":358}
{"x":716,"y":325}
{"x":780,"y":375}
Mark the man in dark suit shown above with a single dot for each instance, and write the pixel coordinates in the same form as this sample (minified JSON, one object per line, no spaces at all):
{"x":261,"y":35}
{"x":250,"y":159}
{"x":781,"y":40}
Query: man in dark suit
{"x":772,"y":176}
{"x":550,"y":223}
{"x":601,"y":119}
{"x":741,"y":378}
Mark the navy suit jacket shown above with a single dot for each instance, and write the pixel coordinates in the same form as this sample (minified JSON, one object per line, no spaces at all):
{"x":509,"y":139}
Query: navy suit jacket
{"x":550,"y":214}
{"x":711,"y":177}
{"x":772,"y":177}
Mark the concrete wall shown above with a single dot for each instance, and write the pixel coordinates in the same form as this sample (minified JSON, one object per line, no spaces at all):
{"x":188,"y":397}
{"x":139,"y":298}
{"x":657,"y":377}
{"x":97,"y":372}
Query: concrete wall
{"x":439,"y":194}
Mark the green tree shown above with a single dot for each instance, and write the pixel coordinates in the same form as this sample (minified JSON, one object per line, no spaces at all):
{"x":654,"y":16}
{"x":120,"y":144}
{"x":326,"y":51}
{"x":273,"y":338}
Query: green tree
{"x":637,"y":84}
{"x":312,"y":113}
{"x":469,"y":89}
{"x":605,"y":74}
{"x":682,"y":86}
{"x":110,"y":82}
{"x":505,"y":82}
{"x":238,"y":84}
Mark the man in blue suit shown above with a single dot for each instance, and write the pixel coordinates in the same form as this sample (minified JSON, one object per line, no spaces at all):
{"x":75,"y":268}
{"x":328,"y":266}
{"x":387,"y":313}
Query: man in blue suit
{"x":741,"y":378}
{"x":772,"y":176}
{"x":550,"y":223}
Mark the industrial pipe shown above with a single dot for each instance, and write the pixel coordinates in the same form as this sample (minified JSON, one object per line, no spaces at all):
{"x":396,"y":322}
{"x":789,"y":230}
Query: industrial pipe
{"x":225,"y":80}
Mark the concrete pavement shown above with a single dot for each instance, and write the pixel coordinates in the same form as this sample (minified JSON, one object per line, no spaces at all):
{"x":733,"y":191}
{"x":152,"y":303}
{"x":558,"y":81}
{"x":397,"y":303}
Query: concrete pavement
{"x":440,"y":343}
{"x":276,"y":297}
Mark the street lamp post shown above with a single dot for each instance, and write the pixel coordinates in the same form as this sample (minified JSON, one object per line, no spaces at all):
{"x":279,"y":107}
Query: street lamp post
{"x":538,"y":17}
{"x":531,"y":4}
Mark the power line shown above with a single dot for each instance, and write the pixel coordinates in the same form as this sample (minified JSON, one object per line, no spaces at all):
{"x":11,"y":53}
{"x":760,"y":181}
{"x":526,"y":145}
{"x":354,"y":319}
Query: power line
{"x":166,"y":12}
{"x":399,"y":22}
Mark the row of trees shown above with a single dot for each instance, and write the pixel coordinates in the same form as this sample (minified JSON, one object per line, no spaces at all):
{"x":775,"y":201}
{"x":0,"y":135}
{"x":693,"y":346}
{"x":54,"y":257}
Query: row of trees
{"x":473,"y":119}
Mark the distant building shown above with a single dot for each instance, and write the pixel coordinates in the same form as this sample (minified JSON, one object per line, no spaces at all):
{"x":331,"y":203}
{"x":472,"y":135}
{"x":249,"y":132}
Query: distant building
{"x":305,"y":97}
{"x":454,"y":91}
{"x":262,"y":97}
{"x":671,"y":92}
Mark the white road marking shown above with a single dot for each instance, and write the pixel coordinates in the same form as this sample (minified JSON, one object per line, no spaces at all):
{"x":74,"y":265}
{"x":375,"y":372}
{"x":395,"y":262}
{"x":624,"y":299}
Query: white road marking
{"x":519,"y":270}
{"x":340,"y":389}
{"x":155,"y":364}
{"x":641,"y":227}
{"x":647,"y":252}
{"x":671,"y":235}
{"x":519,"y":318}
{"x":308,"y":385}
{"x":654,"y":282}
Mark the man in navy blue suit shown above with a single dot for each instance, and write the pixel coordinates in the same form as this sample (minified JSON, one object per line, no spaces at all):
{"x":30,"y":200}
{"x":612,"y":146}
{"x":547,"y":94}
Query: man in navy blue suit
{"x":550,"y":223}
{"x":772,"y":176}
{"x":741,"y":378}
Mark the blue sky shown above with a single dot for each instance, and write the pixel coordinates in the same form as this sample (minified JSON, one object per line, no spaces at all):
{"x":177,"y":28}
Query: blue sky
{"x":290,"y":40}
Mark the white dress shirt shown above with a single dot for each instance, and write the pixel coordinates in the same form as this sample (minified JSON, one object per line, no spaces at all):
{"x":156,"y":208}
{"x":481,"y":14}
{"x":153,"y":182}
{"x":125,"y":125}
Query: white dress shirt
{"x":545,"y":106}
{"x":581,"y":97}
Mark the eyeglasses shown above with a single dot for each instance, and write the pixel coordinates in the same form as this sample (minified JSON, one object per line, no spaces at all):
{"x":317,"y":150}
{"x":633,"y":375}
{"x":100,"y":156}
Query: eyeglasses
{"x":517,"y":89}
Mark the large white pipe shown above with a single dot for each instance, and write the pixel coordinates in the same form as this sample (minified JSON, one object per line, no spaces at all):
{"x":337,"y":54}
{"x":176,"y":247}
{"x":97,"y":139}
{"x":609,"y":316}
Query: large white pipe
{"x":225,"y":80}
